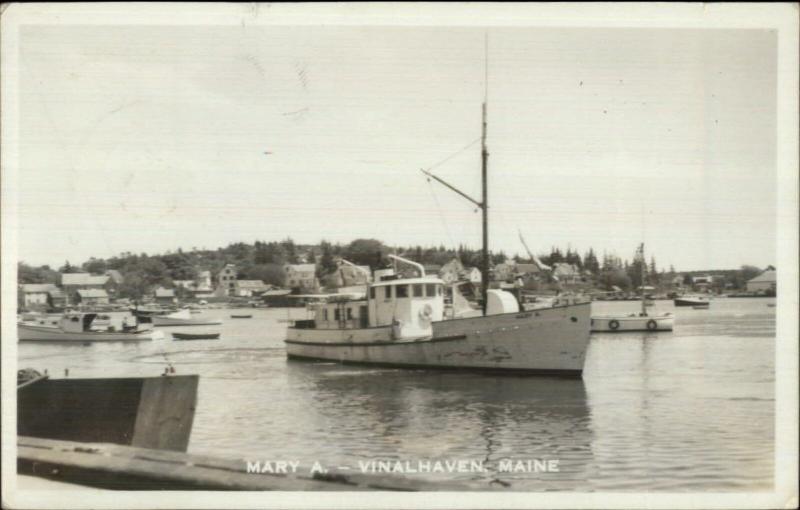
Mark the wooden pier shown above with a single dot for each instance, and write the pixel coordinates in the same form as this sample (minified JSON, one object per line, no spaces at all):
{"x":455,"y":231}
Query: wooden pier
{"x":118,"y":467}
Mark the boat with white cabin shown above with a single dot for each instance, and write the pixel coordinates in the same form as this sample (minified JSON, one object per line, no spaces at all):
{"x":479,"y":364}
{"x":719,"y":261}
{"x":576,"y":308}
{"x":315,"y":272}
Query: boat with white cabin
{"x":80,"y":327}
{"x":642,"y":321}
{"x":401,"y":322}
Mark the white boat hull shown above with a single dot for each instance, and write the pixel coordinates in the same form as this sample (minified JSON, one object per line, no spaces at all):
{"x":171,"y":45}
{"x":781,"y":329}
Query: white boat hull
{"x":195,"y":321}
{"x":548,"y":341}
{"x":691,"y":301}
{"x":45,"y":333}
{"x":627,"y":323}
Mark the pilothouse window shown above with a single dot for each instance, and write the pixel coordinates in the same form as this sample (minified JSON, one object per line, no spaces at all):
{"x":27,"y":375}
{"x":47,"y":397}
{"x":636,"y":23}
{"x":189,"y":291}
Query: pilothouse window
{"x":402,"y":291}
{"x":418,"y":290}
{"x":388,"y":292}
{"x":430,"y":289}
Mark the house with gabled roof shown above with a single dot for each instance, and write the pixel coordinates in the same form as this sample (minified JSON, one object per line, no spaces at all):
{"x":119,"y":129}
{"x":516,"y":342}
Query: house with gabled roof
{"x":766,"y":282}
{"x":35,"y":295}
{"x":90,"y":297}
{"x":73,"y":282}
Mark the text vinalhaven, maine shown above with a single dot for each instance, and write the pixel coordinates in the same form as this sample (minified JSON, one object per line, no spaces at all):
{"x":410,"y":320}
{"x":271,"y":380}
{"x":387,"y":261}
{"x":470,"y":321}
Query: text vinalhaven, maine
{"x":413,"y":466}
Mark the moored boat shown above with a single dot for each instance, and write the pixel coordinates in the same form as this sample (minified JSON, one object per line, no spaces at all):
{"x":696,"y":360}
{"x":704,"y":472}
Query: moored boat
{"x":195,"y":336}
{"x":183,"y":318}
{"x":401,"y":322}
{"x":242,"y":316}
{"x":643,"y":321}
{"x":633,"y":322}
{"x":692,"y":300}
{"x":80,"y":327}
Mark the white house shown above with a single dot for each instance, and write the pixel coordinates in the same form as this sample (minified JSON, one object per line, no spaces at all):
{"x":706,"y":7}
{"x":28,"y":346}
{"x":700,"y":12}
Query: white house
{"x":226,"y":281}
{"x":165,"y":296}
{"x":250,"y":288}
{"x":472,"y":275}
{"x":35,"y":295}
{"x":302,"y":276}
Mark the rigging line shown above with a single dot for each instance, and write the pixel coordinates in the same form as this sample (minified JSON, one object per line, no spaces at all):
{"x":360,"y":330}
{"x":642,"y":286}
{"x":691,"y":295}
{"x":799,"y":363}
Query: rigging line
{"x":451,"y":156}
{"x":441,"y":213}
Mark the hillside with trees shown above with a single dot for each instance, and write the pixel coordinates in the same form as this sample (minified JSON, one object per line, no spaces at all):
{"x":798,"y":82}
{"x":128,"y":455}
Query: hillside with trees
{"x":264,"y":260}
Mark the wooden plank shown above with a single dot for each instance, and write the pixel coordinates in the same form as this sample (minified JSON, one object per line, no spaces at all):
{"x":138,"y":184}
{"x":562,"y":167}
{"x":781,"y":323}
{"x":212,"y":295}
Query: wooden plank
{"x":122,"y":467}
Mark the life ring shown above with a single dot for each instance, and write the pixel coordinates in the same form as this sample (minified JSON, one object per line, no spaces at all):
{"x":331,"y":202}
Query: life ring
{"x":613,"y":324}
{"x":652,"y":325}
{"x":426,"y":312}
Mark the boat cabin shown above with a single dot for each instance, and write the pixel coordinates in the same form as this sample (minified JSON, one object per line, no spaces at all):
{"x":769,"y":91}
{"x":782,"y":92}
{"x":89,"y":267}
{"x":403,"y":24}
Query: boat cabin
{"x":81,"y":322}
{"x":409,"y":305}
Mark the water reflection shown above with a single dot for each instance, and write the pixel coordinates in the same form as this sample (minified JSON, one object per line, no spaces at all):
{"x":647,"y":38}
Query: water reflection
{"x":410,"y":415}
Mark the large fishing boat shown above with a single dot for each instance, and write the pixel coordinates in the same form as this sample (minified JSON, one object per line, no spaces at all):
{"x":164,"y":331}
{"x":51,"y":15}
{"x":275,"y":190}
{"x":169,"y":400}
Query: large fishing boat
{"x":401,"y":322}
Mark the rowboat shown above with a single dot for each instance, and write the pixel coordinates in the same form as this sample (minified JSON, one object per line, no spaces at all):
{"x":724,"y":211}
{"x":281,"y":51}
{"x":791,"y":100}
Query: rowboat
{"x":183,"y":318}
{"x":248,"y":316}
{"x":79,"y":327}
{"x":195,"y":336}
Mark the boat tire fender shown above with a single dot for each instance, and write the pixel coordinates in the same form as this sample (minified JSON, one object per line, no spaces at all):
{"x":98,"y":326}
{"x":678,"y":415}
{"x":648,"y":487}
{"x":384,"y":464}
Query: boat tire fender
{"x":652,"y":325}
{"x":613,"y":324}
{"x":426,"y":312}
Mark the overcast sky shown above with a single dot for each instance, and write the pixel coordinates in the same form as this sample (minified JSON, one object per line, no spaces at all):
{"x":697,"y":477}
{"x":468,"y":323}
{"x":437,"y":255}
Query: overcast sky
{"x":146,"y":139}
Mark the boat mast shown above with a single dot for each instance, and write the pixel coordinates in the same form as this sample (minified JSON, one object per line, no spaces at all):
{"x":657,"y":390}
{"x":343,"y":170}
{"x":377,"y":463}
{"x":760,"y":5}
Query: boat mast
{"x":484,"y":203}
{"x":642,"y":262}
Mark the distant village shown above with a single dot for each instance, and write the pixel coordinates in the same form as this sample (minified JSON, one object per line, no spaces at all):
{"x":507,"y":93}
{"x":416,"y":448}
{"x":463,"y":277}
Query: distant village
{"x":175,"y":278}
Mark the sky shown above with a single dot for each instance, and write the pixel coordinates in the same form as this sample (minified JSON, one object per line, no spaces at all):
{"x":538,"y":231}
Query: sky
{"x":150,"y":138}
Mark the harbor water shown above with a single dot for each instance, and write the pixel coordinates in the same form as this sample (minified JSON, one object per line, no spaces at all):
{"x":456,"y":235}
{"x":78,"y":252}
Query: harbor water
{"x":687,"y":410}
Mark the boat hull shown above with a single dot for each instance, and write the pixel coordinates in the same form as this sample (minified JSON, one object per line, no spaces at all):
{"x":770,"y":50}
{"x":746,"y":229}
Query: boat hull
{"x":188,"y":336}
{"x":159,"y":321}
{"x":550,"y":341}
{"x":29,"y":333}
{"x":615,"y":324}
{"x":149,"y":412}
{"x":690,"y":302}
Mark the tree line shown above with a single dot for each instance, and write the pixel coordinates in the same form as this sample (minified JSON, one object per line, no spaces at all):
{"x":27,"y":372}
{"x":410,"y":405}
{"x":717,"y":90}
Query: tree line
{"x":265,"y":260}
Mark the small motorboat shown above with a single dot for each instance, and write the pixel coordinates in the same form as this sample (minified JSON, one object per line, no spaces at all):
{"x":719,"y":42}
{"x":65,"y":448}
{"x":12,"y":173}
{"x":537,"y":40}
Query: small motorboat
{"x":691,"y":300}
{"x":242,"y":316}
{"x":632,"y":322}
{"x":642,"y":321}
{"x":195,"y":336}
{"x":183,"y":318}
